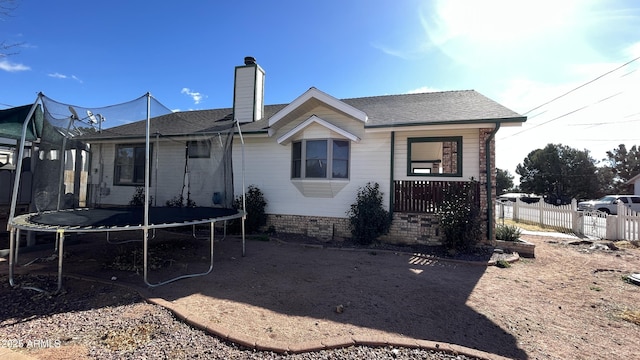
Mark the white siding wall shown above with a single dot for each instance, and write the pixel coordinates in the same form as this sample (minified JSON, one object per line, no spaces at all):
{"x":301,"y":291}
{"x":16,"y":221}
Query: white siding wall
{"x":268,"y":166}
{"x":166,"y":176}
{"x":470,"y":154}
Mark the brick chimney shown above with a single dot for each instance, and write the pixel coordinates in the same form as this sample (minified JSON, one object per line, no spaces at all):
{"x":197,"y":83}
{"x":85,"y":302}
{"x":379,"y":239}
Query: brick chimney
{"x":248,"y":91}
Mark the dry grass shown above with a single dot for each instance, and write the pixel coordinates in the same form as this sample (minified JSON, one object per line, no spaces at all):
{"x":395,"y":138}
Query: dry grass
{"x":632,"y":316}
{"x":624,"y":244}
{"x":527,"y":226}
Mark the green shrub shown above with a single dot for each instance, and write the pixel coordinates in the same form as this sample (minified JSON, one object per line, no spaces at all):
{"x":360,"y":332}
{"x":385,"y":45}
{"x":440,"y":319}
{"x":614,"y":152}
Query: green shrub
{"x":255,"y":205}
{"x":459,"y":217}
{"x":138,"y":197}
{"x":508,"y":232}
{"x":178,"y":201}
{"x":367,"y":216}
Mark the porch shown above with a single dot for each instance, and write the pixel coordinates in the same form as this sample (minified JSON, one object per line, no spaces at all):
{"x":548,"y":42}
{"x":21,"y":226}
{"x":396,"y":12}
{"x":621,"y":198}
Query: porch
{"x":415,"y":204}
{"x":425,"y":196}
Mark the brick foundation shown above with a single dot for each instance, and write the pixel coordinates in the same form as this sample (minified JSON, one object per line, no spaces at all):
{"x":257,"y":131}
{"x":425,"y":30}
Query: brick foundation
{"x":413,"y":228}
{"x":323,"y":228}
{"x":406,"y":228}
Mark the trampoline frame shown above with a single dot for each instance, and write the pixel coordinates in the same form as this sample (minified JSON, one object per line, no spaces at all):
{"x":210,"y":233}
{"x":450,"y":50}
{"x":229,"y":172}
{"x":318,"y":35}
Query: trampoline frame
{"x":22,"y":223}
{"x":17,"y":223}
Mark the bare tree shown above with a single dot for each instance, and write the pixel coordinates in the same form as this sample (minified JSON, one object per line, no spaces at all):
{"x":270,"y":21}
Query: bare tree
{"x":6,"y":9}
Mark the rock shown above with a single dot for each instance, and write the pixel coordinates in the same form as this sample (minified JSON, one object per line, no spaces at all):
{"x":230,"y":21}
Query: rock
{"x":599,"y":247}
{"x":340,"y":309}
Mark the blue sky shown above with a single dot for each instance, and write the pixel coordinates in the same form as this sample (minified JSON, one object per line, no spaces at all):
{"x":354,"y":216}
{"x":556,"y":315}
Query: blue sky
{"x":519,"y":53}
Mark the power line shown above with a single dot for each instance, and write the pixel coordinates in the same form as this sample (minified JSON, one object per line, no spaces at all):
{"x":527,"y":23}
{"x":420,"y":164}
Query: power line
{"x":605,"y":123}
{"x":569,"y":92}
{"x":583,"y":85}
{"x":564,"y":115}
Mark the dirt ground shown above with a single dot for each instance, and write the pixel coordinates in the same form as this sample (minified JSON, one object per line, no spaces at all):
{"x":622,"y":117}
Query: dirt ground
{"x":571,"y":301}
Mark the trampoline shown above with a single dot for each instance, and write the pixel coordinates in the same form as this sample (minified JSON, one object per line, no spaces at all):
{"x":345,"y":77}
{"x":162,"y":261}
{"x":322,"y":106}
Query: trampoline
{"x":75,"y":191}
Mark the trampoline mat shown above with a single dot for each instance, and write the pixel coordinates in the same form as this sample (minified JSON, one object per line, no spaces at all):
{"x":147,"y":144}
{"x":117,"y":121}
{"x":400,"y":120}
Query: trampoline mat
{"x":122,"y":217}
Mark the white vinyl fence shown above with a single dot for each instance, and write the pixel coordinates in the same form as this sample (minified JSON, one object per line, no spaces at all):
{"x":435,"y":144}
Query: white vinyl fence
{"x":624,"y":226}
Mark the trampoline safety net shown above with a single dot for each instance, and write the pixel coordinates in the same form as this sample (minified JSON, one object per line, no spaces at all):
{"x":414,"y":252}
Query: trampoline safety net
{"x":129,"y":153}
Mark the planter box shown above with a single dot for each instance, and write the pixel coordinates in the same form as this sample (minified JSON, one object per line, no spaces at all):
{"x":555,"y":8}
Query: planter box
{"x":524,"y":248}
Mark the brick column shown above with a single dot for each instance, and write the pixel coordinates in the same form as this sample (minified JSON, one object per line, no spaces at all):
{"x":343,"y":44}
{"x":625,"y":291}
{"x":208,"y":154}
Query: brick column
{"x":484,"y":135}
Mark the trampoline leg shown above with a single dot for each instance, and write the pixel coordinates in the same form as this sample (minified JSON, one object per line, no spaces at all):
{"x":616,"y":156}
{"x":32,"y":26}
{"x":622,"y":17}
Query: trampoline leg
{"x":243,"y":243}
{"x":211,"y":239}
{"x":12,"y":237}
{"x":60,"y":241}
{"x":145,"y":247}
{"x":17,"y":245}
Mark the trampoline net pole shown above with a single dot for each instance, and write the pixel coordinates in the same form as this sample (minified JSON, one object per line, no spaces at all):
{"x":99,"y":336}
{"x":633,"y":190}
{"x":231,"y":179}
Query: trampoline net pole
{"x":16,"y":185}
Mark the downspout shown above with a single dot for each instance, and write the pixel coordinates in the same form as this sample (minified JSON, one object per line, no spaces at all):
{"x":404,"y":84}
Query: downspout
{"x":487,"y":154}
{"x":391,"y":179}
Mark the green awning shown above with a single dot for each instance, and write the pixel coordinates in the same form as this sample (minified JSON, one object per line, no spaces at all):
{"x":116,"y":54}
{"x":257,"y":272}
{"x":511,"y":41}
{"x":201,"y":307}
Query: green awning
{"x":11,"y":121}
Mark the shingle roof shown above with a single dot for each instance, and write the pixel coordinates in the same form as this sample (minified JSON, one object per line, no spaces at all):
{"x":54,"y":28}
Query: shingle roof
{"x":432,"y":108}
{"x":450,"y":107}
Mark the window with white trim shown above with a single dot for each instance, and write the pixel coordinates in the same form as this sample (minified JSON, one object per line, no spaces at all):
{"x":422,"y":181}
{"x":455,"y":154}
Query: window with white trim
{"x":320,"y":159}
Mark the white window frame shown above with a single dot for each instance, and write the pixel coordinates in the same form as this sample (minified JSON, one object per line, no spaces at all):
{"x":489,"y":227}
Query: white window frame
{"x":329,"y":160}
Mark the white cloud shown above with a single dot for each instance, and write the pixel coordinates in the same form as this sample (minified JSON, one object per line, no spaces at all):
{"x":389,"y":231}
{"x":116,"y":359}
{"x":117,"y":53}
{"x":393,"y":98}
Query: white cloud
{"x":505,"y":36}
{"x":596,"y":114}
{"x":196,"y":96}
{"x":57,"y":75}
{"x":422,"y":89}
{"x":12,"y":67}
{"x":633,"y":50}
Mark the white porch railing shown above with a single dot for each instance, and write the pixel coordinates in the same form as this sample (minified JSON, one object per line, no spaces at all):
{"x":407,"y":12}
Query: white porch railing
{"x":624,"y":226}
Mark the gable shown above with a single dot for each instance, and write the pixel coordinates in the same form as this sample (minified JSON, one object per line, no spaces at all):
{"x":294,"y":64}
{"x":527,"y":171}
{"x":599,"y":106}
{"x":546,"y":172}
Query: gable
{"x":311,"y":99}
{"x":320,"y":124}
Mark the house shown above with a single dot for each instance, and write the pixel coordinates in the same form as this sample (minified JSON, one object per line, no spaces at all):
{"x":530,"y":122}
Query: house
{"x":635,"y":183}
{"x":310,"y":156}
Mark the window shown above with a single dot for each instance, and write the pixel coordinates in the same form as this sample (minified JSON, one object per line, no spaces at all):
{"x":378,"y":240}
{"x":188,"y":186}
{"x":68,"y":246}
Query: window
{"x":199,"y":149}
{"x":129,"y":165}
{"x":320,"y":159}
{"x":434,"y":156}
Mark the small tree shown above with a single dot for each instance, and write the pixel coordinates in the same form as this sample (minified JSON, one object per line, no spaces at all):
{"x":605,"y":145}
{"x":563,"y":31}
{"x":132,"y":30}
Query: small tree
{"x":504,"y":181}
{"x":367,"y":216}
{"x":138,"y":197}
{"x":459,"y":217}
{"x":255,"y":205}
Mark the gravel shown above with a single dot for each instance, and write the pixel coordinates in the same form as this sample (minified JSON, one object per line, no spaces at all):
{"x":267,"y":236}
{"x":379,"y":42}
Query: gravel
{"x":102,"y":321}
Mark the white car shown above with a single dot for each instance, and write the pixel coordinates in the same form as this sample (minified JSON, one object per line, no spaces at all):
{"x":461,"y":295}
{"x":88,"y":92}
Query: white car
{"x":609,"y":203}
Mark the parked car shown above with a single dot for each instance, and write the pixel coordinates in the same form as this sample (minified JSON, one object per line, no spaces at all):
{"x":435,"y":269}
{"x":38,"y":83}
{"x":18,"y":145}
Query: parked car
{"x":609,"y":203}
{"x":528,"y":198}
